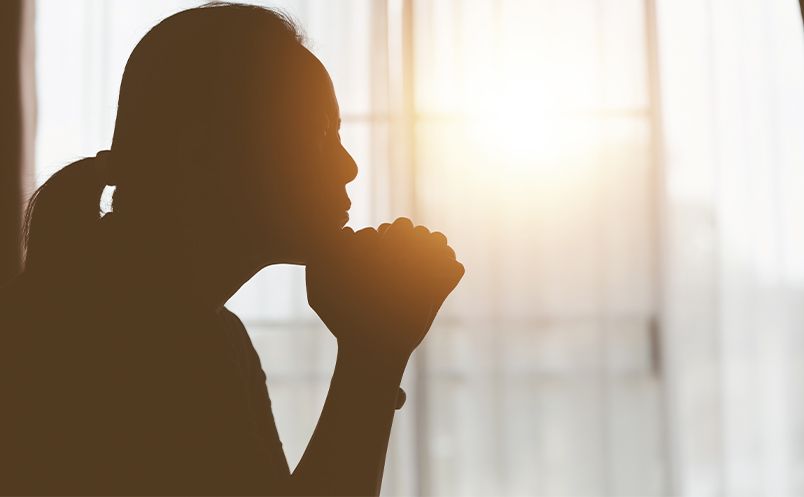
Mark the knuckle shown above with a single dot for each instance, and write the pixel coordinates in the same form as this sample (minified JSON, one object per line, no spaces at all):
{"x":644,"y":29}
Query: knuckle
{"x":403,"y":221}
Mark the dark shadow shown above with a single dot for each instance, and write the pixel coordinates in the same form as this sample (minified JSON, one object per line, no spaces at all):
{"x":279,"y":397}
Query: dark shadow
{"x":122,"y":371}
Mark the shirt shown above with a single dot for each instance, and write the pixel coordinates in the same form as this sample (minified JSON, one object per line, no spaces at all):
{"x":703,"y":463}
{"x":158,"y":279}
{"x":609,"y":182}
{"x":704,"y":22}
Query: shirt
{"x":112,"y":387}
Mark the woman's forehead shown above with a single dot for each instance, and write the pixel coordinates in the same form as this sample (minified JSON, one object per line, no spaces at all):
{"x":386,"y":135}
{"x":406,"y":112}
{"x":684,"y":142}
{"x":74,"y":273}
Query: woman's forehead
{"x":307,"y":83}
{"x":324,"y":85}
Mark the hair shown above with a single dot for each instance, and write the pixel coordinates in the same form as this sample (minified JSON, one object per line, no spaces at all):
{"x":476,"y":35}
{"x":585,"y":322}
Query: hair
{"x":186,"y":87}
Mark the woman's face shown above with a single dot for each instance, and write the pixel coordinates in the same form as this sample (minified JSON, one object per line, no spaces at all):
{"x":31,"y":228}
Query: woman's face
{"x":302,"y":199}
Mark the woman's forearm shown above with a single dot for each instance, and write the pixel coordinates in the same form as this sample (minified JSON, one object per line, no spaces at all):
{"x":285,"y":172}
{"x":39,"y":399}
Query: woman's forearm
{"x":346,"y":453}
{"x":378,"y":292}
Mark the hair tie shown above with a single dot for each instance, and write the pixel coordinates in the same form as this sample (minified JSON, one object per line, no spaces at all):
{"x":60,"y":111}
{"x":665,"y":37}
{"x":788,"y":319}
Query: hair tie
{"x":104,"y":168}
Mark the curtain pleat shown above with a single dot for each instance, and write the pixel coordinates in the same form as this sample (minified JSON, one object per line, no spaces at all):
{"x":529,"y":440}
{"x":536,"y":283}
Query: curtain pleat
{"x":16,"y":126}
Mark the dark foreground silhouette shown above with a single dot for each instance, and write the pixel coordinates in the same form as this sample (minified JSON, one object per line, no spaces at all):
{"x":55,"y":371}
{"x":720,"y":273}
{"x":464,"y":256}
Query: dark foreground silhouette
{"x":122,"y":372}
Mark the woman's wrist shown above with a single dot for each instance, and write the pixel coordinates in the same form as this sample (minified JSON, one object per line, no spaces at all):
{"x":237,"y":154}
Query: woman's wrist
{"x":372,"y":359}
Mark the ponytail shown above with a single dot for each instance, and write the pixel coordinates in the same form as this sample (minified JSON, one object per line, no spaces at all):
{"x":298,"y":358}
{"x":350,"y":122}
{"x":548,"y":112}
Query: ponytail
{"x":62,"y":215}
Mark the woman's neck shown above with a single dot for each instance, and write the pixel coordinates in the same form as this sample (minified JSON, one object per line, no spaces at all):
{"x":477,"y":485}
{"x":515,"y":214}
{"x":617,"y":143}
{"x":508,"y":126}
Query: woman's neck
{"x":179,"y":265}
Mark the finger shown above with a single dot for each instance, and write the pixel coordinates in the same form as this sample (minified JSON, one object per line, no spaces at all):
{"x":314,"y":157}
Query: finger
{"x":421,"y":231}
{"x":440,"y":240}
{"x":362,"y":243}
{"x":450,"y":252}
{"x":383,"y":227}
{"x":401,"y":228}
{"x":400,"y":225}
{"x":403,"y":222}
{"x":460,"y":270}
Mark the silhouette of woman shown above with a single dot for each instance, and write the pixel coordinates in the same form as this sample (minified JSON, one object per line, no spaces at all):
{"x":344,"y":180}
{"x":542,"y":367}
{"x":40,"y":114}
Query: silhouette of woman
{"x":122,"y":372}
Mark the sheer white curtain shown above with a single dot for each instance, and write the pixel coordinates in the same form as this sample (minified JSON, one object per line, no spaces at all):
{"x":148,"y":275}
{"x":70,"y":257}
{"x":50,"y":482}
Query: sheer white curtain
{"x":534,"y":138}
{"x":732,"y":76}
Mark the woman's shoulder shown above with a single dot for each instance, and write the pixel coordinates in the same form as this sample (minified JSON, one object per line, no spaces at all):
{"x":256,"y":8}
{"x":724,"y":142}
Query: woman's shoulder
{"x":231,"y":320}
{"x":236,"y":331}
{"x":241,"y":341}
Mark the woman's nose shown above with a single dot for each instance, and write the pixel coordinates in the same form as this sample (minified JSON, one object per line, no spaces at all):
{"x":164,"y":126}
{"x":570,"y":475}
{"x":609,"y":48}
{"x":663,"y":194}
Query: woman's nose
{"x":348,"y":165}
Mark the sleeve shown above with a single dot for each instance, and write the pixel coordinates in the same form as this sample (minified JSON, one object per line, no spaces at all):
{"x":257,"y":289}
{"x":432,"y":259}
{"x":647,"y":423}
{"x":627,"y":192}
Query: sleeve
{"x":274,"y":463}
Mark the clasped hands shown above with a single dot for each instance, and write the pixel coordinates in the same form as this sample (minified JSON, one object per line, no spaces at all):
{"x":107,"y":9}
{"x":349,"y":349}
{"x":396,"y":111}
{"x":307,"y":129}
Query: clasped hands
{"x":378,"y":290}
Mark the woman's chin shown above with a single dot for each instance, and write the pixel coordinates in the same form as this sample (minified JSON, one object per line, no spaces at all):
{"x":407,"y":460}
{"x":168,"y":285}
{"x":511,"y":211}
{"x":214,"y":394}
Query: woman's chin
{"x":305,"y":241}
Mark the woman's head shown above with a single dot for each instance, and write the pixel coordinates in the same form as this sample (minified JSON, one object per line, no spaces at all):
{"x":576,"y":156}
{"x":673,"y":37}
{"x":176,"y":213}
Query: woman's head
{"x":227,"y":132}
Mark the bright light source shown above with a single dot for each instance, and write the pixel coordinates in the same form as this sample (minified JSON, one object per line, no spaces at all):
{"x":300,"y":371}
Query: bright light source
{"x":514,"y":122}
{"x":526,"y":133}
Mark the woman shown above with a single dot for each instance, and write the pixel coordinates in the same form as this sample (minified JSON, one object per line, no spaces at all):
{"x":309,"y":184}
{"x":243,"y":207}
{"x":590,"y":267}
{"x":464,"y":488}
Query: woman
{"x":122,"y":372}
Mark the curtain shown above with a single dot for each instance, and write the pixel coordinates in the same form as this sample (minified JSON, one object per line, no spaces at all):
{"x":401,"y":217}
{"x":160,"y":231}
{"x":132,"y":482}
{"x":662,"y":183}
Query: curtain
{"x":534,"y":154}
{"x":732,"y":101}
{"x":16,"y":126}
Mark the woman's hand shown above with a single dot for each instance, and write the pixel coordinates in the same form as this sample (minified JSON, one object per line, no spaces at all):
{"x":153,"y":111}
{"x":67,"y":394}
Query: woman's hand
{"x":378,"y":291}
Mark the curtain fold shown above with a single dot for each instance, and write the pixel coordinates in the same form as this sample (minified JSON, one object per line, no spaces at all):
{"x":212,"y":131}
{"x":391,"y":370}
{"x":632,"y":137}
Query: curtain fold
{"x":16,"y":126}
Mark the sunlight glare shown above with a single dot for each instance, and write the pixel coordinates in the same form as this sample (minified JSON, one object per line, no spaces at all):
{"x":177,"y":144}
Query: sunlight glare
{"x":516,"y":123}
{"x":512,"y":121}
